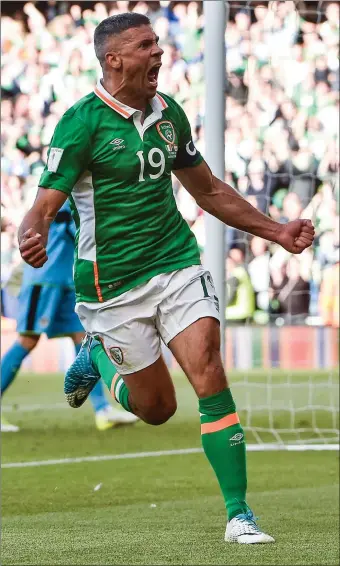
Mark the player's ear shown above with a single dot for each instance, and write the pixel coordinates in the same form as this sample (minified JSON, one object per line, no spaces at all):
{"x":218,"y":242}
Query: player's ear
{"x":113,"y":59}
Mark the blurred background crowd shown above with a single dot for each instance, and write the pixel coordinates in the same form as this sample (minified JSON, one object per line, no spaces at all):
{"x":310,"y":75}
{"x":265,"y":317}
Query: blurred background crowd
{"x":282,"y":137}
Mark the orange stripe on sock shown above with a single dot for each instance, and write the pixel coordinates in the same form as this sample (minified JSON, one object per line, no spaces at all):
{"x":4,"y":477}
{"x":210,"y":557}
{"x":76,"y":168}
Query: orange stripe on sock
{"x":114,"y":381}
{"x":96,"y":282}
{"x":225,"y":422}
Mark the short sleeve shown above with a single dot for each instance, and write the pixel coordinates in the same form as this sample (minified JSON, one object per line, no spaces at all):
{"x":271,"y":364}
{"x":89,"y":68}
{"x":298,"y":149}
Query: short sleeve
{"x":187,"y":154}
{"x":69,"y":155}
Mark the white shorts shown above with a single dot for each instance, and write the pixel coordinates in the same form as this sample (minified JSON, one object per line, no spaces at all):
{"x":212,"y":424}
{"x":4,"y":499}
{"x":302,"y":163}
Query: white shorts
{"x":131,"y":326}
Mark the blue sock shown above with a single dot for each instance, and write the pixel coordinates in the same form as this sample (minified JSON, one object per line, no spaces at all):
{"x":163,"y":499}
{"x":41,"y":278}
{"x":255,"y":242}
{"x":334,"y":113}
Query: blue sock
{"x":10,"y":364}
{"x":97,"y":395}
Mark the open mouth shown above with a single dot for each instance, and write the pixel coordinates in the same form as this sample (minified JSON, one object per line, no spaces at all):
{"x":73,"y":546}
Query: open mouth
{"x":152,"y":75}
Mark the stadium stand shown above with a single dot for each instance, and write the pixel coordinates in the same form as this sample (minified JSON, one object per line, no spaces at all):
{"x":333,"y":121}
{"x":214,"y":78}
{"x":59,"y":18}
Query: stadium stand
{"x":282,"y":144}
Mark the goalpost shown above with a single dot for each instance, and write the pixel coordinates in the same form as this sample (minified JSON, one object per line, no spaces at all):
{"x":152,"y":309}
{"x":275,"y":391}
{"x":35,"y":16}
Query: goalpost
{"x":286,"y":381}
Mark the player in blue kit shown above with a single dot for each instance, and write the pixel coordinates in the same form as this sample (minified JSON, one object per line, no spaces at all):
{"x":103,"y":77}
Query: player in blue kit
{"x":46,"y":305}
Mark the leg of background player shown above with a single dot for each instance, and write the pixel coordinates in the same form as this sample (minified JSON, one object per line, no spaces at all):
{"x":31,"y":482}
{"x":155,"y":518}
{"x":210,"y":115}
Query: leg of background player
{"x":12,"y":360}
{"x":10,"y":365}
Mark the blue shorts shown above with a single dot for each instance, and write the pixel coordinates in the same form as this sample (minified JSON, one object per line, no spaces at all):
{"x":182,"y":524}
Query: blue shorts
{"x":47,"y":309}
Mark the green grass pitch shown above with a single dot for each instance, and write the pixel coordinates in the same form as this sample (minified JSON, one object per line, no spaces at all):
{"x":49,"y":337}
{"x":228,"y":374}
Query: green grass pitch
{"x":165,"y":509}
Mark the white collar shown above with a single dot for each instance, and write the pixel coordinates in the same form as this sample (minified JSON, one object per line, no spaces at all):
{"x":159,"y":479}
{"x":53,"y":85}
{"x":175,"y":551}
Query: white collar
{"x":157,"y":103}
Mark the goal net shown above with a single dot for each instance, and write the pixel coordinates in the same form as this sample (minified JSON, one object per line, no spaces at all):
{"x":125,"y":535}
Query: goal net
{"x":281,"y":148}
{"x":281,"y":152}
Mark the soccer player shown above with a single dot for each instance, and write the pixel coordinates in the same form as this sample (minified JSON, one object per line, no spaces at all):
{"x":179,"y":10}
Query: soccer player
{"x":138,"y":274}
{"x":46,"y":305}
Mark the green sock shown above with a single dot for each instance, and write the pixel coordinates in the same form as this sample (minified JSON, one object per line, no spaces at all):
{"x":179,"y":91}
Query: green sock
{"x":224,"y":445}
{"x":109,"y":375}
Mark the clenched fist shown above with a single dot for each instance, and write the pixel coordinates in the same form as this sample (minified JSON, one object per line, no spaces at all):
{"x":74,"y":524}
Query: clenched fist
{"x":32,"y":249}
{"x":296,"y":236}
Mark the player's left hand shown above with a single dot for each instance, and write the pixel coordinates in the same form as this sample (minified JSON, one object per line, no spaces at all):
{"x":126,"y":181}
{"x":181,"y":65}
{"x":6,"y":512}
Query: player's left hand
{"x":296,"y":236}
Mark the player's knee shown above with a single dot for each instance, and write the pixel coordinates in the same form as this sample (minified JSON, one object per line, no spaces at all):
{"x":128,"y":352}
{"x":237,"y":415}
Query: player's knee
{"x":28,"y":342}
{"x":160,"y":413}
{"x":211,"y":379}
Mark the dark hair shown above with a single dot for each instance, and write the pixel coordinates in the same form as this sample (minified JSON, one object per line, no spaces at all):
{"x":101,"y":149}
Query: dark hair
{"x":114,"y":25}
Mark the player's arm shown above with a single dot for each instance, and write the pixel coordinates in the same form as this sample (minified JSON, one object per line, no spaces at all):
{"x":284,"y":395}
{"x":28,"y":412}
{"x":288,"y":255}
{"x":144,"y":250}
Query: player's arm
{"x":33,"y":231}
{"x":226,"y":204}
{"x":69,"y":156}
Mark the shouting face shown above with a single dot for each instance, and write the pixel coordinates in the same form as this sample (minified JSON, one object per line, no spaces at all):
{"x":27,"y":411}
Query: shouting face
{"x":135,"y":56}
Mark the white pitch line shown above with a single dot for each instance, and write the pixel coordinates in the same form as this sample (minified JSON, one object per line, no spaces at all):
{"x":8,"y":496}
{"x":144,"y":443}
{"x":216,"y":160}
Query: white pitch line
{"x":181,"y":451}
{"x":104,"y":458}
{"x":18,"y":408}
{"x":62,"y":405}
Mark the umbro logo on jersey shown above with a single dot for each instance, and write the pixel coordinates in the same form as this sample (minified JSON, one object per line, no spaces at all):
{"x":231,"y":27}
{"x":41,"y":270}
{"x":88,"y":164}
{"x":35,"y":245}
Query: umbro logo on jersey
{"x":118,"y":143}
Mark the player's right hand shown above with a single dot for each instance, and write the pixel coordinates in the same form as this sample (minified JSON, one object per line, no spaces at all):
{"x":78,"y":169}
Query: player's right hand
{"x":32,"y":249}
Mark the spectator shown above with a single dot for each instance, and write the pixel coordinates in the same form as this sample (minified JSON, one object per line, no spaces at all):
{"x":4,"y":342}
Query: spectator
{"x":259,"y":272}
{"x":239,"y":293}
{"x":329,"y":296}
{"x":290,"y":293}
{"x":302,"y":168}
{"x":257,"y":186}
{"x":291,"y":207}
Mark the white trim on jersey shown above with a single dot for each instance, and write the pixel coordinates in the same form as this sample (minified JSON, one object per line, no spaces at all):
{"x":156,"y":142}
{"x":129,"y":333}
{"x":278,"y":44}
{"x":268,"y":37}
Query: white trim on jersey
{"x":83,"y":196}
{"x":158,"y":104}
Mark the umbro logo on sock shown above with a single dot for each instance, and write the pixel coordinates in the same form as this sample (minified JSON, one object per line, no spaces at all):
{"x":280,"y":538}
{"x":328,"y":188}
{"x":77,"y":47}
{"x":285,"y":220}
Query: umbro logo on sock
{"x":237,"y":436}
{"x":236,"y":439}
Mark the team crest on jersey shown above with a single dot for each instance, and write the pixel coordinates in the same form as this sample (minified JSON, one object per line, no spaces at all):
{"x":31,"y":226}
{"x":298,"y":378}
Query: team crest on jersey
{"x":117,"y":355}
{"x":167,"y":132}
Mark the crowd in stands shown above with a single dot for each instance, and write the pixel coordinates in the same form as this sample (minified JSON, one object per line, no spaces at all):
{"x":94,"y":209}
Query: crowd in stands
{"x":282,"y":138}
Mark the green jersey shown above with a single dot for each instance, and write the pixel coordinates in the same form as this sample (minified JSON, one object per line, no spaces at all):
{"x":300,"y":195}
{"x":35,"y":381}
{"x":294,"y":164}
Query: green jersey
{"x":116,"y":171}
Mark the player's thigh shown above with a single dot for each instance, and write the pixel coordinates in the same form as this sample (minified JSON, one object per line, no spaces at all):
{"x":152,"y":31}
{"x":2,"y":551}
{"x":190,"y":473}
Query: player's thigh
{"x":66,"y":321}
{"x":132,"y":342}
{"x":38,"y":305}
{"x":127,"y":330}
{"x":188,"y":322}
{"x":126,"y":327}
